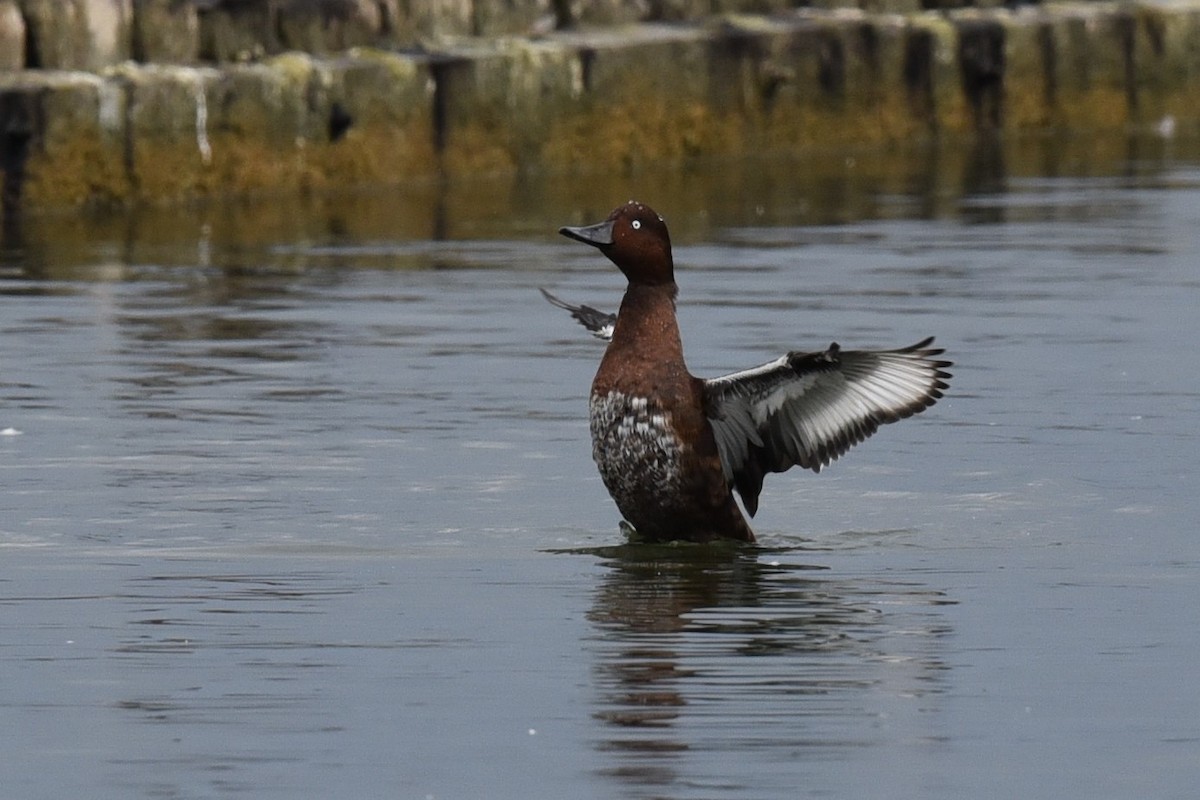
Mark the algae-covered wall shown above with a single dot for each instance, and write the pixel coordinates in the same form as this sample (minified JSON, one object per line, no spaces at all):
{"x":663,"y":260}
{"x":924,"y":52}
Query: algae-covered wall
{"x":113,"y":101}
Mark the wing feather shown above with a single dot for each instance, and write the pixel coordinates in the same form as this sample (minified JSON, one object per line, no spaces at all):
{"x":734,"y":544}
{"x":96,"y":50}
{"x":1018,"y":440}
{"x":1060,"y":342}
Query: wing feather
{"x":807,"y":409}
{"x":599,"y":323}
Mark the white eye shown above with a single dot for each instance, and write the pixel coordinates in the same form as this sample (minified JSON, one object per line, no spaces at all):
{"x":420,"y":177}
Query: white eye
{"x":637,"y":224}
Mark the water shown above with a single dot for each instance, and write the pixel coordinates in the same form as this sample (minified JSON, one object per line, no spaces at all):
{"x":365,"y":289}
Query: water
{"x":298,"y":500}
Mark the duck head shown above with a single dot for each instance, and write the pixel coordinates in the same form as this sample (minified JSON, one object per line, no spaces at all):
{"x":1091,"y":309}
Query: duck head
{"x":634,"y":237}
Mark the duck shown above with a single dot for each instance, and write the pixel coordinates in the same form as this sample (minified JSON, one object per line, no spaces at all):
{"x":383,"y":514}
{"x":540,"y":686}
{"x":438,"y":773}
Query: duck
{"x":673,"y":448}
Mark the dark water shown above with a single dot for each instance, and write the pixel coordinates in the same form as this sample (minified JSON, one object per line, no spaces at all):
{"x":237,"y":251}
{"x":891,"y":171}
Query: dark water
{"x":298,"y":500}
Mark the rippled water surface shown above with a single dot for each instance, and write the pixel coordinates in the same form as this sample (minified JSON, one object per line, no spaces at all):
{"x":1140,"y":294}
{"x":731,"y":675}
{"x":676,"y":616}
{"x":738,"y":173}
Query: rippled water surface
{"x":298,"y":501}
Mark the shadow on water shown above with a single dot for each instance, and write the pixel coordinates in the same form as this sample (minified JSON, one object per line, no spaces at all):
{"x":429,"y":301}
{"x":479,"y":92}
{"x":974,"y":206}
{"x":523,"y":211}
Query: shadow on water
{"x":702,"y":651}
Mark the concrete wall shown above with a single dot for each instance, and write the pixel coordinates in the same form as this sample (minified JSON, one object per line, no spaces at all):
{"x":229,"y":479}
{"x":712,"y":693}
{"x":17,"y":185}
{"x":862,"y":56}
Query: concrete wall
{"x":90,"y":34}
{"x":214,"y":113}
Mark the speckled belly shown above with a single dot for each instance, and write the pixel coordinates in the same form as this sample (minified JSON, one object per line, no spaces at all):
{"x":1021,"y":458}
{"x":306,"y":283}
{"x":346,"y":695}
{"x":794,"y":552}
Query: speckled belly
{"x":638,"y":454}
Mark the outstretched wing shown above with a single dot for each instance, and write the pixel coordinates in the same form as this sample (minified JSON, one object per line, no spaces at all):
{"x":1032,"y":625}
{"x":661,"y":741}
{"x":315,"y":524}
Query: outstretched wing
{"x":599,"y":323}
{"x":807,"y":409}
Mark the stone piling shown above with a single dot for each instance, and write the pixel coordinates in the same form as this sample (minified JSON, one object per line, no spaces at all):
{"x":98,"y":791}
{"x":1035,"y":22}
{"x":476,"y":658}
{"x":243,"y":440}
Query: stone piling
{"x":119,"y":101}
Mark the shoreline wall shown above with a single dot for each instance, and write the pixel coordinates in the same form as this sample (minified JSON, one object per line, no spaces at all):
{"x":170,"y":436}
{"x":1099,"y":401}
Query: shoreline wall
{"x":109,"y":129}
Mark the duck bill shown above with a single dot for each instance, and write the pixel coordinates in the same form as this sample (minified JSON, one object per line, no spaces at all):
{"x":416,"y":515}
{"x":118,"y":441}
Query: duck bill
{"x":598,"y":235}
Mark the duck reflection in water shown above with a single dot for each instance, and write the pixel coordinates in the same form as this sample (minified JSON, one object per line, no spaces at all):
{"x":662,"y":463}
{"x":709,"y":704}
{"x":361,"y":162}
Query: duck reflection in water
{"x":706,"y":649}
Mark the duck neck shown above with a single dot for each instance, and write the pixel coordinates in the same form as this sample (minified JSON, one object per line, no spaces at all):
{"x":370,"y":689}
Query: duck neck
{"x":646,"y":322}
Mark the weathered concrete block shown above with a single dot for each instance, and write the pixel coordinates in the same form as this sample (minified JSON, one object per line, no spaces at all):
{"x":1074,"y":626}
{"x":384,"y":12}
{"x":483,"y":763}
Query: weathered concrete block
{"x":1087,"y":46}
{"x":863,"y":72}
{"x":983,"y":55}
{"x":637,"y":97}
{"x":289,"y":122}
{"x":61,"y":139}
{"x":932,"y":73}
{"x":1024,"y":99}
{"x":744,"y":51}
{"x":77,"y":34}
{"x":12,"y":36}
{"x":1079,"y":65}
{"x":378,"y":120}
{"x":682,"y":10}
{"x":817,"y":80}
{"x":262,"y":118}
{"x":1111,"y":36}
{"x":397,"y":26}
{"x":293,"y":122}
{"x":329,"y":26}
{"x":750,"y":6}
{"x":437,"y":20}
{"x":1165,"y":63}
{"x":169,"y":152}
{"x":493,"y":18}
{"x":600,"y":13}
{"x":885,"y":6}
{"x":242,"y":31}
{"x":166,"y":31}
{"x":495,"y":108}
{"x":789,"y":74}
